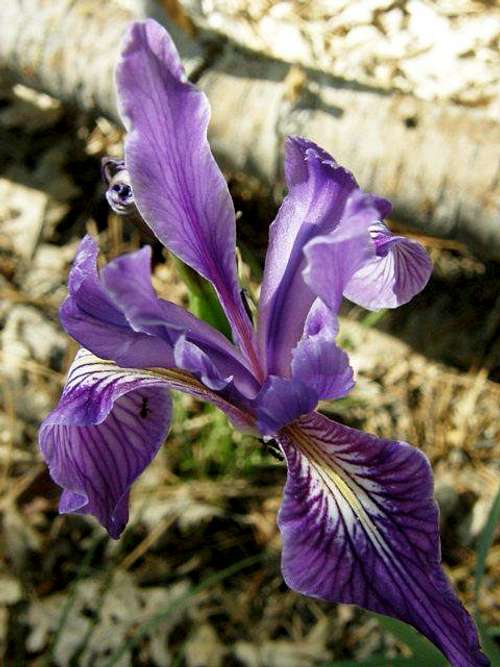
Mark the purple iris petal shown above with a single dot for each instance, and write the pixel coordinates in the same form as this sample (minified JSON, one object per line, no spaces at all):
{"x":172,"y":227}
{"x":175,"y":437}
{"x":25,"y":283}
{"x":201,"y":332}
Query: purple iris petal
{"x":359,"y":525}
{"x":318,"y":189}
{"x":333,"y":259}
{"x":281,"y":401}
{"x":179,"y":190}
{"x":191,"y":358}
{"x":400,"y":269}
{"x":128,"y":282}
{"x":321,"y":365}
{"x":107,"y":428}
{"x":94,"y":320}
{"x":321,"y":321}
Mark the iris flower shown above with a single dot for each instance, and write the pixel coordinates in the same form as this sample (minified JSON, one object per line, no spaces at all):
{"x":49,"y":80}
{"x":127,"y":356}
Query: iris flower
{"x":358,"y":520}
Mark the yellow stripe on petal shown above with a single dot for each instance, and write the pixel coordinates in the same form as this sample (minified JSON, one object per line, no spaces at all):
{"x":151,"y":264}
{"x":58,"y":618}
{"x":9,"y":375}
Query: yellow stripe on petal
{"x":337,"y":481}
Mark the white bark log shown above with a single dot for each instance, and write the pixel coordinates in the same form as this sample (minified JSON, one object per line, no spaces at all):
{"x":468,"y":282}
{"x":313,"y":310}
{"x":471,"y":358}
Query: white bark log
{"x":438,"y":164}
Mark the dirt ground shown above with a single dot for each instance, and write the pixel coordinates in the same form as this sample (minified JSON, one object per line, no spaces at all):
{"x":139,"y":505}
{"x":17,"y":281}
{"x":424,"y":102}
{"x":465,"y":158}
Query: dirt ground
{"x":195,"y":580}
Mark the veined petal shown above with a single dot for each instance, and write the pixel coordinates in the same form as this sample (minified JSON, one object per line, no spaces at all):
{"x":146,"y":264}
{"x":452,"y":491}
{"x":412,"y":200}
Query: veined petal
{"x":91,"y":317}
{"x":333,"y":259}
{"x":359,"y":525}
{"x":108,"y":426}
{"x":400,"y":269}
{"x":128,"y":281}
{"x":178,"y":187}
{"x":282,"y":400}
{"x":318,"y":189}
{"x":323,"y":366}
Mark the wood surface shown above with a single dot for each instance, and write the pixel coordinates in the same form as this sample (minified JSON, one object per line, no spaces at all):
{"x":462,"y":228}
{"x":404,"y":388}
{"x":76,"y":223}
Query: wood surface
{"x":438,"y":164}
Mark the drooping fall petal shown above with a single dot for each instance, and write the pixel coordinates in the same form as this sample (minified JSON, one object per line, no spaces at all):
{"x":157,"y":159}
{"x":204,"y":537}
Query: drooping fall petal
{"x":107,"y":428}
{"x":359,"y":525}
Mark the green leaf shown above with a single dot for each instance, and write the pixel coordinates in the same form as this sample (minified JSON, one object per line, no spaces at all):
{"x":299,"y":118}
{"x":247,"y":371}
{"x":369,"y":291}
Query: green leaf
{"x":485,"y":542}
{"x":373,"y":318}
{"x":490,"y":647}
{"x":203,"y":301}
{"x":422,"y":649}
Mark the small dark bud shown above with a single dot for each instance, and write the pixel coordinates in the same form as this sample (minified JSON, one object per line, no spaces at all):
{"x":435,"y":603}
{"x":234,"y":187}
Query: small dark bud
{"x":119,"y":191}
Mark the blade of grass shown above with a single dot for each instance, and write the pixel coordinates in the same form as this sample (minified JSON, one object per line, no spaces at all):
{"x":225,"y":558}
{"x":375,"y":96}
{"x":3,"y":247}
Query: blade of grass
{"x":485,"y":542}
{"x":490,"y":647}
{"x":70,"y":599}
{"x":422,"y":649}
{"x":181,"y":602}
{"x":203,"y":301}
{"x":373,"y":318}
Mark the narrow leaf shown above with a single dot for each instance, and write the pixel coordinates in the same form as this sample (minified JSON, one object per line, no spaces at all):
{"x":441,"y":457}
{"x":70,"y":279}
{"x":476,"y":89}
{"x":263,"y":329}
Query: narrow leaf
{"x":417,"y":643}
{"x":490,"y":647}
{"x":485,"y":542}
{"x":203,"y":301}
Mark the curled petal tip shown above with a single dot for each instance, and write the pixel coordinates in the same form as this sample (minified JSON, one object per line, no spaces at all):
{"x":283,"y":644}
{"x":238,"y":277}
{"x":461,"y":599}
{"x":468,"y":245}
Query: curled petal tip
{"x":400,"y":269}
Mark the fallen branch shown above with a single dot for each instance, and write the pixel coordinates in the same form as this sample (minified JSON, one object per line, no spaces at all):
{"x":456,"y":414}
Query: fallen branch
{"x":438,"y":164}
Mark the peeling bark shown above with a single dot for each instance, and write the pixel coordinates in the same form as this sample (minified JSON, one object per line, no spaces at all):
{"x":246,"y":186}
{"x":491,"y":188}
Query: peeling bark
{"x":438,"y":164}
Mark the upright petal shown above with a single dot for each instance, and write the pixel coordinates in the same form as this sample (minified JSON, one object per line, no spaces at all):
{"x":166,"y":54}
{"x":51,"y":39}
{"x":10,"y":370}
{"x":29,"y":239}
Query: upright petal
{"x":128,"y":281}
{"x":91,"y":317}
{"x":318,"y":189}
{"x":399,"y":270}
{"x":108,"y":426}
{"x":178,"y":188}
{"x":359,"y":525}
